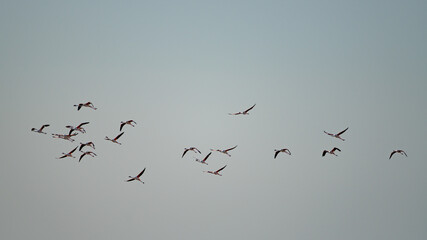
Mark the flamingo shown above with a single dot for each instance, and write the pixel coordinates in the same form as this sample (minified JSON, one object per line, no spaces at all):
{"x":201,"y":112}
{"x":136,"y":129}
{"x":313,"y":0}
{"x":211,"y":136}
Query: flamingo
{"x":68,"y":154}
{"x":92,"y":154}
{"x":65,"y":137}
{"x":190,"y":149}
{"x":246,"y":112}
{"x":129,"y":122}
{"x":88,"y":104}
{"x":78,"y":128}
{"x":204,"y":159}
{"x":224,"y":151}
{"x":331,"y":152}
{"x":397,"y":151}
{"x":40,"y":130}
{"x":115,"y":139}
{"x":285,"y":150}
{"x":337,"y":135}
{"x":217,"y":171}
{"x":137,"y":177}
{"x":89,"y":144}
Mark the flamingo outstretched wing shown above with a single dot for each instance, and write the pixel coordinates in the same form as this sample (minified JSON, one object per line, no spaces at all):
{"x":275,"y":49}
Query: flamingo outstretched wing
{"x":247,"y":110}
{"x":73,"y":150}
{"x":335,"y":148}
{"x":217,"y":171}
{"x":230,"y":149}
{"x":139,"y":175}
{"x":121,"y":125}
{"x":186,"y":150}
{"x":343,"y":131}
{"x":324,"y":153}
{"x":277,"y":153}
{"x":81,"y":124}
{"x":118,"y":136}
{"x":46,"y":125}
{"x":204,"y":159}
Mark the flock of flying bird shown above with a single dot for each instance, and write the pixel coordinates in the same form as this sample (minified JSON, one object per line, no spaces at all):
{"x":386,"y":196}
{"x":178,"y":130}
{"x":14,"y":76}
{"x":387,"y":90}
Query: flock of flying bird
{"x":79,"y":128}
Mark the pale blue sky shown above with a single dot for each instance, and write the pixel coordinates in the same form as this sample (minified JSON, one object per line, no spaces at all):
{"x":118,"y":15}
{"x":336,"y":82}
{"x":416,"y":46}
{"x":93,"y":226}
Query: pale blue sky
{"x":177,"y":68}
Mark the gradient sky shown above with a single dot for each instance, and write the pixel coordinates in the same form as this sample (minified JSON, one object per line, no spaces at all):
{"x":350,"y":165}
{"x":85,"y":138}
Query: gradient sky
{"x":177,"y":68}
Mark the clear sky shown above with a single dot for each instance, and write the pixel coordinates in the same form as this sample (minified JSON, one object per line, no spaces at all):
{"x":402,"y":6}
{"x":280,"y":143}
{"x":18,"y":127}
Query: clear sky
{"x":178,"y":68}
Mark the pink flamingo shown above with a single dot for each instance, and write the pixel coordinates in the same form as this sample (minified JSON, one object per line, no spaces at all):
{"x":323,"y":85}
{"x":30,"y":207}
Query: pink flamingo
{"x":397,"y":151}
{"x":115,"y":139}
{"x":40,"y":130}
{"x":331,"y":152}
{"x":65,"y":137}
{"x":129,"y":122}
{"x":70,"y":154}
{"x":224,"y":151}
{"x":78,"y":128}
{"x":190,"y":149}
{"x":204,"y":159}
{"x":246,"y":112}
{"x":88,"y":104}
{"x":217,"y":171}
{"x":89,"y":144}
{"x":92,"y":154}
{"x":285,"y":150}
{"x":137,"y":177}
{"x":337,"y":135}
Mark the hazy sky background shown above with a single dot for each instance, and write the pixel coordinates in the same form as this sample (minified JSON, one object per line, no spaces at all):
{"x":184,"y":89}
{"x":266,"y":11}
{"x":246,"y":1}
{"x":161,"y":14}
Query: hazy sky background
{"x":177,"y":68}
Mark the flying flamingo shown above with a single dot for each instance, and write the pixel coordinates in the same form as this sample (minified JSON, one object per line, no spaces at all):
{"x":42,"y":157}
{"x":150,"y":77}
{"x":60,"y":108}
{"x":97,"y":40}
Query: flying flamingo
{"x":65,"y":137}
{"x":92,"y":154}
{"x":204,"y":159}
{"x":285,"y":150}
{"x":246,"y":112}
{"x":337,"y":135}
{"x":78,"y":128}
{"x":115,"y":139}
{"x":217,"y":171}
{"x":137,"y":177}
{"x":224,"y":151}
{"x":397,"y":151}
{"x":330,"y":152}
{"x":89,"y":144}
{"x":68,"y":154}
{"x":88,"y":104}
{"x":190,"y":149}
{"x":129,"y":122}
{"x":40,"y":130}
